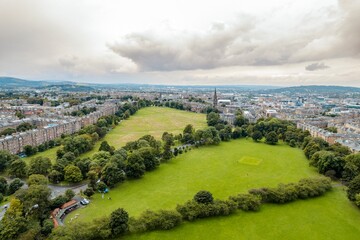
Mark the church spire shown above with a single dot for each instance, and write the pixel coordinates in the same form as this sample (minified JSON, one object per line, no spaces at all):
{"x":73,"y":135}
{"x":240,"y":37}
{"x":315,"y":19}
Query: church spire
{"x":215,"y":99}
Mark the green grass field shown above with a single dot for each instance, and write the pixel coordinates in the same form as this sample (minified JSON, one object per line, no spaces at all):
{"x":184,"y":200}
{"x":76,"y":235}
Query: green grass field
{"x":217,"y":169}
{"x":151,"y":120}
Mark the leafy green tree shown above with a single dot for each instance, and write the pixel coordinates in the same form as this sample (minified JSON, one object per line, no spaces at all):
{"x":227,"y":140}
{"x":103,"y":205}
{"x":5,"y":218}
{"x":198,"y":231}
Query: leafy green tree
{"x":112,"y":175}
{"x":353,"y":188}
{"x":89,"y":192}
{"x":352,"y":166}
{"x":212,"y":119}
{"x":167,"y":152}
{"x":39,"y":165}
{"x":3,"y":185}
{"x":8,"y":131}
{"x":35,"y":195}
{"x":17,"y":168}
{"x":271,"y":138}
{"x":13,"y":222}
{"x":69,"y":194}
{"x":106,"y":147}
{"x":6,"y":159}
{"x":72,"y":174}
{"x":30,"y":150}
{"x":240,"y":120}
{"x":135,"y":167}
{"x":119,"y":222}
{"x":257,"y":135}
{"x":15,"y":185}
{"x":47,"y":227}
{"x":93,"y":177}
{"x":55,"y":176}
{"x":311,"y":148}
{"x":204,"y":197}
{"x":226,"y":133}
{"x":101,"y":157}
{"x":151,"y":161}
{"x":37,"y":179}
{"x":101,"y":186}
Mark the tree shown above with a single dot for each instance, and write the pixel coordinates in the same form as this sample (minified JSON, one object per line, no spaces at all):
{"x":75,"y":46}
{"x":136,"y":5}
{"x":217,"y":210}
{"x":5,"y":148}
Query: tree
{"x":225,"y":133}
{"x":311,"y":148}
{"x":35,"y":195}
{"x":212,"y":119}
{"x":352,"y":166}
{"x":256,"y":136}
{"x":39,"y":165}
{"x":6,"y":159}
{"x":72,"y":174}
{"x":353,"y":188}
{"x":135,"y":167}
{"x":93,"y":177}
{"x":150,"y":159}
{"x":15,"y":185}
{"x":8,"y":131}
{"x":101,"y":187}
{"x":167,"y":153}
{"x":89,"y":192}
{"x":119,"y":222}
{"x":112,"y":175}
{"x":106,"y":147}
{"x":30,"y":150}
{"x":203,"y":197}
{"x":326,"y":161}
{"x":240,"y":120}
{"x":69,"y":194}
{"x":37,"y":179}
{"x":17,"y":168}
{"x":13,"y":222}
{"x":3,"y":185}
{"x":55,"y":176}
{"x":271,"y":138}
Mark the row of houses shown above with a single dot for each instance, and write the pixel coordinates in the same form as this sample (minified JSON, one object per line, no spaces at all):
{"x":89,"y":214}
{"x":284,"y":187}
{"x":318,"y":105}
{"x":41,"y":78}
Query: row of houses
{"x":16,"y":142}
{"x":350,"y":140}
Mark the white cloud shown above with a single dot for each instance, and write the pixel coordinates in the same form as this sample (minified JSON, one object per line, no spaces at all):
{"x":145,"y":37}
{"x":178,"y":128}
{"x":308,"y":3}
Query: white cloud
{"x":188,"y":41}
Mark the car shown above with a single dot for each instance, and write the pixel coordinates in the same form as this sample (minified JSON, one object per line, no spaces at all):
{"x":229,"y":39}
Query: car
{"x":84,"y":201}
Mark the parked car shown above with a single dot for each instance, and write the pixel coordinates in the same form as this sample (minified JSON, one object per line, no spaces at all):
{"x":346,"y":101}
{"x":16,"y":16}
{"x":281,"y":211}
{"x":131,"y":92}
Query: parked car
{"x":84,"y":201}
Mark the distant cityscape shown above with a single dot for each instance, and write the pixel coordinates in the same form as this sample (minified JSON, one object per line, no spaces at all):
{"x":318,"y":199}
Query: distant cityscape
{"x":331,"y":115}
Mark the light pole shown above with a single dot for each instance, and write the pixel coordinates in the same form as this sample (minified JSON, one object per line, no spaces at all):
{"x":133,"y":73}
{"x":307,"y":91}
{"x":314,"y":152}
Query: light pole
{"x":35,"y":206}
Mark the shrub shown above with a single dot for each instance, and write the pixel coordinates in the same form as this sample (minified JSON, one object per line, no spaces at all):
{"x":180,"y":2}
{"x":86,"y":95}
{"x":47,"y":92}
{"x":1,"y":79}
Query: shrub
{"x":192,"y":210}
{"x":204,"y":197}
{"x":149,"y":220}
{"x":247,"y":202}
{"x":305,"y":188}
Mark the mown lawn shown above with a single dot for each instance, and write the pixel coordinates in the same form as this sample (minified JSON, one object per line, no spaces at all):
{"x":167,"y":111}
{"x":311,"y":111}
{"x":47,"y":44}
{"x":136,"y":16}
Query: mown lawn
{"x":151,"y":120}
{"x":221,"y":171}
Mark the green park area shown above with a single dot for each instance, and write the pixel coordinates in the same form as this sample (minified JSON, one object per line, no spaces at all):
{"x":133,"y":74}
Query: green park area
{"x":227,"y":170}
{"x":150,"y":120}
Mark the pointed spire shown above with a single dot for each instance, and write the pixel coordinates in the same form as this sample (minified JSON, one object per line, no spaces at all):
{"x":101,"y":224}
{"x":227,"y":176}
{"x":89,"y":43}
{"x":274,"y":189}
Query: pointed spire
{"x":215,"y":99}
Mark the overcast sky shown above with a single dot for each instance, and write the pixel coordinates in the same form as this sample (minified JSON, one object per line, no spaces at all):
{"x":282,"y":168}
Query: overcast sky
{"x":269,"y":42}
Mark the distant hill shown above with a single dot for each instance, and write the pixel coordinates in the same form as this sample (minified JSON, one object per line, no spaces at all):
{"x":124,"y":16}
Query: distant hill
{"x":315,"y":89}
{"x":9,"y":83}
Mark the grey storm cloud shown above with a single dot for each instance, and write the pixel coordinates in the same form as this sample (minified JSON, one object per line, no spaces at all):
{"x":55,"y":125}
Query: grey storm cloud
{"x":243,"y":43}
{"x":316,"y":66}
{"x":217,"y":47}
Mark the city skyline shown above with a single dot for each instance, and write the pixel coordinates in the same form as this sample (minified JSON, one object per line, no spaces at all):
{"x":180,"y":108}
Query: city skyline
{"x":278,"y":42}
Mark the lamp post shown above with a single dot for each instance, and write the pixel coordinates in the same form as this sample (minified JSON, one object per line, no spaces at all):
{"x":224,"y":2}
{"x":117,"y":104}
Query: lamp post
{"x":35,"y":206}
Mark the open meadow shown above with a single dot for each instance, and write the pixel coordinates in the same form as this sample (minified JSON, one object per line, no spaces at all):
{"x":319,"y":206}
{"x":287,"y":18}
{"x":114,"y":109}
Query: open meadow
{"x":150,"y":120}
{"x":228,"y":169}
